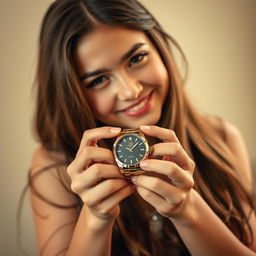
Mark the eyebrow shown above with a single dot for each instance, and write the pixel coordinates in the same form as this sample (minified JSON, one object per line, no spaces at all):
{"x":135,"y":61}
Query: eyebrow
{"x":128,"y":54}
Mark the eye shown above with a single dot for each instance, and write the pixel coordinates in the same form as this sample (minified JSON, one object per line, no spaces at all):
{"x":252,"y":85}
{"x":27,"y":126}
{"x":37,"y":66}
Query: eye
{"x":138,"y":58}
{"x":99,"y":81}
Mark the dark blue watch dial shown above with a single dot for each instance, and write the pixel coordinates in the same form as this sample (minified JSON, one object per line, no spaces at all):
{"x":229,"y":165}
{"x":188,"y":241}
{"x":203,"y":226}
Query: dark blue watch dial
{"x":130,"y":149}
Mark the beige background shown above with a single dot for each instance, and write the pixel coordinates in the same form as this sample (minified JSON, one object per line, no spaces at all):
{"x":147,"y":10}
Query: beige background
{"x":218,"y":37}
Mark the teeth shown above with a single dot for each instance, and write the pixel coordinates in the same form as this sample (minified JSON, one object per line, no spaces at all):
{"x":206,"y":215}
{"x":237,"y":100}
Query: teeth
{"x":137,"y":106}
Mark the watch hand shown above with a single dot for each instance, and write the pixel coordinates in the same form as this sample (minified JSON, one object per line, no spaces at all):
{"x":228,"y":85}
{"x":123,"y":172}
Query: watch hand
{"x":129,"y":149}
{"x":134,"y":145}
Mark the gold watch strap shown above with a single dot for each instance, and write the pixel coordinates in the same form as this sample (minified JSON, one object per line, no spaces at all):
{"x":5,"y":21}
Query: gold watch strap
{"x":124,"y":131}
{"x":131,"y":172}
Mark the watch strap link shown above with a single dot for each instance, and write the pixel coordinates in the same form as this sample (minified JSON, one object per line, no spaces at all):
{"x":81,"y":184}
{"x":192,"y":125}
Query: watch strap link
{"x":124,"y":131}
{"x":133,"y":171}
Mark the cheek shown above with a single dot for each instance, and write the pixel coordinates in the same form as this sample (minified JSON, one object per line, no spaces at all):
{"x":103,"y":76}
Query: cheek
{"x":156,"y":75}
{"x":101,"y":103}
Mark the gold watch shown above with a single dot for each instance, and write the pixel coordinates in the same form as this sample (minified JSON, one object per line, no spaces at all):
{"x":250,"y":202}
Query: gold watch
{"x":129,"y":149}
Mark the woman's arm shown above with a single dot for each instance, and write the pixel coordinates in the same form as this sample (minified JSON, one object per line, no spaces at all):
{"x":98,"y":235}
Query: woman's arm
{"x":171,"y":193}
{"x":207,"y":234}
{"x":63,"y":231}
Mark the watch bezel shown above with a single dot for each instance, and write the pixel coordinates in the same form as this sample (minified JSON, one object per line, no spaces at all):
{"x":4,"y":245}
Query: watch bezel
{"x":131,"y":166}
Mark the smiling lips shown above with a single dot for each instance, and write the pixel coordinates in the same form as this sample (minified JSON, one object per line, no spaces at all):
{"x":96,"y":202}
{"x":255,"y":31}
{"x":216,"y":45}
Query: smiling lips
{"x":139,"y":108}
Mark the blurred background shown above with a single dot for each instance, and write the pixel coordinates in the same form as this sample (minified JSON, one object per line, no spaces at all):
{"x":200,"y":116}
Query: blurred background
{"x":218,"y":38}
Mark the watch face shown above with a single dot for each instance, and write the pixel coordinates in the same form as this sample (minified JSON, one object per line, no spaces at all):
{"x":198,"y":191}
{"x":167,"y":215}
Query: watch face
{"x":130,"y":149}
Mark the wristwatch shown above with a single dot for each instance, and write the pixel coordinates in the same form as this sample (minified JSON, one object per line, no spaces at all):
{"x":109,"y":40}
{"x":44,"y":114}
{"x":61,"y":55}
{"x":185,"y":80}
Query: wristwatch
{"x":129,"y":149}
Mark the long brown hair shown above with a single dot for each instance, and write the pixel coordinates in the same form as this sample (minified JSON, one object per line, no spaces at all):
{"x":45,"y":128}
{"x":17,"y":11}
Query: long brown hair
{"x":63,"y":114}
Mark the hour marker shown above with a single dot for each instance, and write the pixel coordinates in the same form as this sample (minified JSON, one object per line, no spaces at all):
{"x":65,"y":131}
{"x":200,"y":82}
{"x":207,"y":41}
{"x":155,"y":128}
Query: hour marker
{"x":130,"y":138}
{"x":140,"y":143}
{"x":142,"y":149}
{"x":119,"y":151}
{"x":131,"y":161}
{"x":120,"y":145}
{"x":141,"y":155}
{"x":125,"y":160}
{"x":137,"y":160}
{"x":124,"y":140}
{"x":121,"y":156}
{"x":136,"y":139}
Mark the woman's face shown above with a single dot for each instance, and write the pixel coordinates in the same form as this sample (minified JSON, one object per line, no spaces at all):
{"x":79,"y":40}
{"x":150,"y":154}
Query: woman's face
{"x":124,"y":79}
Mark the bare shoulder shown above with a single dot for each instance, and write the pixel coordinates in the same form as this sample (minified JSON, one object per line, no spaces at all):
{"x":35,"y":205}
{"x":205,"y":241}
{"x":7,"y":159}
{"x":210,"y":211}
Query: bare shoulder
{"x":48,"y":175}
{"x":216,"y":124}
{"x":54,"y":206}
{"x":235,"y":142}
{"x":43,"y":157}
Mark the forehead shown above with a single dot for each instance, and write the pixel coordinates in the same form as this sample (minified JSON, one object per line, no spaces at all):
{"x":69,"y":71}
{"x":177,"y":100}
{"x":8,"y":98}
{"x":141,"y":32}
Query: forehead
{"x":105,"y":45}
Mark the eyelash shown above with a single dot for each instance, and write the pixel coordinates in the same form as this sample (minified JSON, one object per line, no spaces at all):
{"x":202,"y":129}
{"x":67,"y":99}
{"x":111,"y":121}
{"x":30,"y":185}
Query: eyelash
{"x":138,"y":58}
{"x":96,"y":81}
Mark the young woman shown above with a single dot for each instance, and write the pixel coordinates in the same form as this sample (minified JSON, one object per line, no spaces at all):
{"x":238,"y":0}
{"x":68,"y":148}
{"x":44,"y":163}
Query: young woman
{"x":105,"y":66}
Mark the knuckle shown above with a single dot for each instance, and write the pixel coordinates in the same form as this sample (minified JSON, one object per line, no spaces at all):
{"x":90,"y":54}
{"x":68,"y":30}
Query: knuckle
{"x":97,"y":170}
{"x":110,"y":185}
{"x":74,"y":186}
{"x":191,"y":183}
{"x":175,"y":206}
{"x":103,"y":211}
{"x":69,"y":170}
{"x":178,"y":147}
{"x":86,"y":132}
{"x":166,"y":209}
{"x":87,"y":201}
{"x":182,"y":198}
{"x":171,"y":169}
{"x":85,"y":150}
{"x":192,"y":164}
{"x":156,"y":183}
{"x":172,"y":133}
{"x":188,"y":182}
{"x":146,"y":193}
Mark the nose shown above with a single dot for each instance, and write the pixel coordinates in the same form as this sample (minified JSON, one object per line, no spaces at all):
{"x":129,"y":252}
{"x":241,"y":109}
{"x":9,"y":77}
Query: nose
{"x":128,"y":88}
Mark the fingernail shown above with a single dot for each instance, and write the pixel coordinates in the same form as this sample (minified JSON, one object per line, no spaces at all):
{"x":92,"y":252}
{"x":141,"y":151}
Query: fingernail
{"x":134,"y":179}
{"x":145,"y":127}
{"x":143,"y":164}
{"x":115,"y":130}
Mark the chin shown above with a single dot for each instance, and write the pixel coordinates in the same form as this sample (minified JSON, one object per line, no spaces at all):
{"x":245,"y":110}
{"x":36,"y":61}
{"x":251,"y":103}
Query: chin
{"x":151,"y":120}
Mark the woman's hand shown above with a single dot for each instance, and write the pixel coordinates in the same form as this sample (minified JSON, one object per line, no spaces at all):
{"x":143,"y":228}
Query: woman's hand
{"x":95,"y":176}
{"x":168,"y":190}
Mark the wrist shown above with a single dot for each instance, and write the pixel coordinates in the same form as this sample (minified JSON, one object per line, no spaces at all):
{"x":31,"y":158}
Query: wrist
{"x":188,"y":216}
{"x":95,"y":223}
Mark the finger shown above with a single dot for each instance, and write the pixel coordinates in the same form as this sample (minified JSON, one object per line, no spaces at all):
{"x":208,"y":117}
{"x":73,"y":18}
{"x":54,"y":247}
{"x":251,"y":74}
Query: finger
{"x":108,"y":203}
{"x":162,"y":188}
{"x":163,"y":134}
{"x":176,"y":152}
{"x":176,"y":175}
{"x":164,"y":207}
{"x":93,"y":175}
{"x":87,"y":155}
{"x":91,"y":136}
{"x":103,"y":190}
